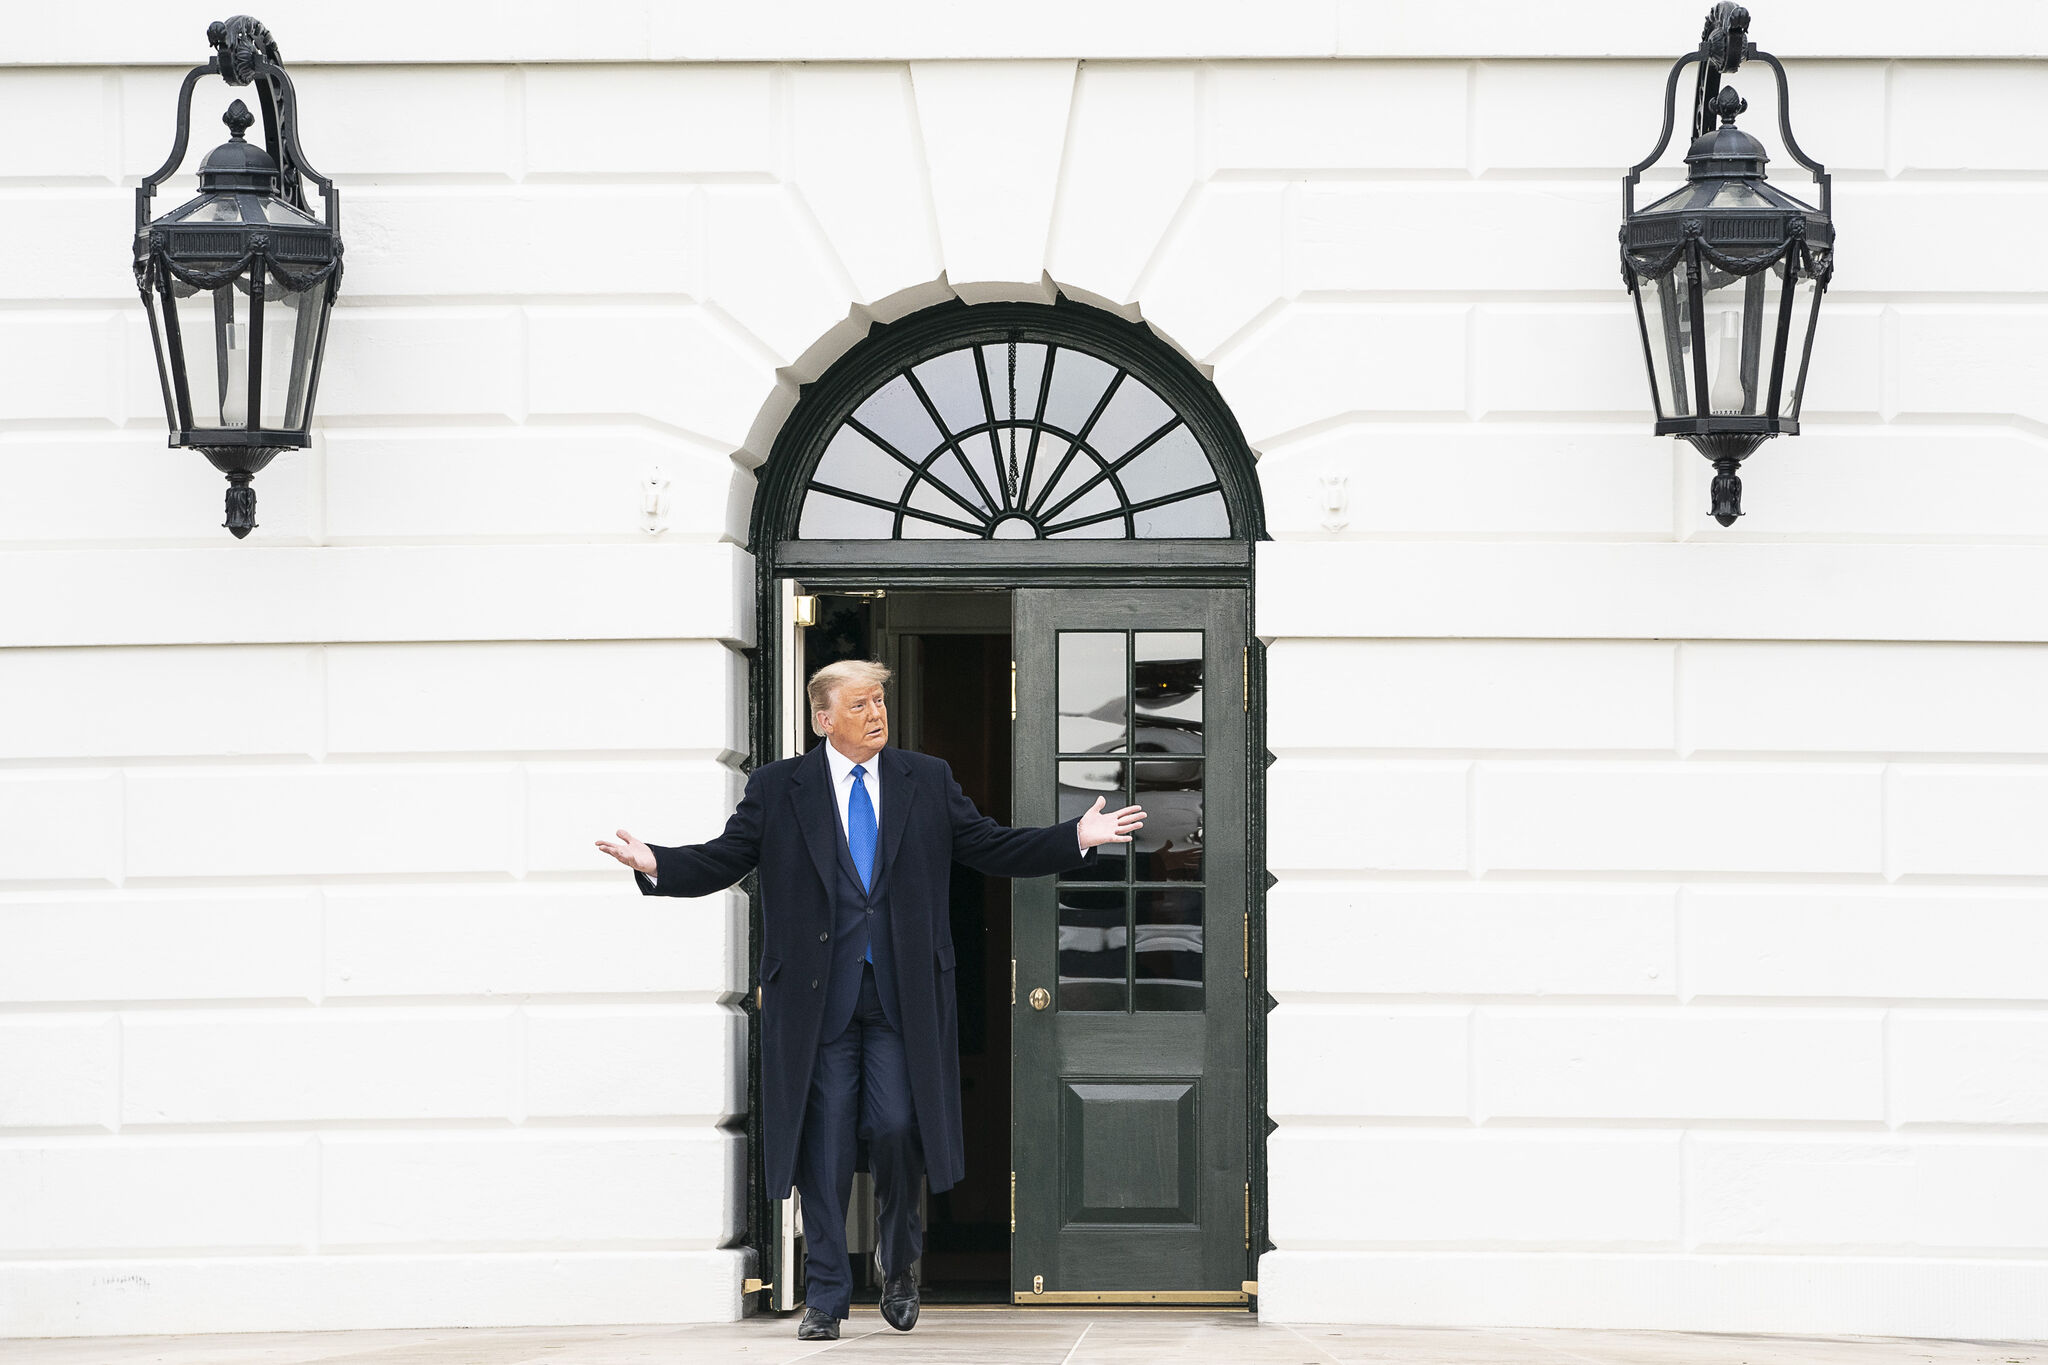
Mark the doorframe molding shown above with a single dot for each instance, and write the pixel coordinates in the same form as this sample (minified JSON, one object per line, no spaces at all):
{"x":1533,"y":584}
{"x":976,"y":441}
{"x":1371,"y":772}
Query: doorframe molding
{"x":933,"y":565}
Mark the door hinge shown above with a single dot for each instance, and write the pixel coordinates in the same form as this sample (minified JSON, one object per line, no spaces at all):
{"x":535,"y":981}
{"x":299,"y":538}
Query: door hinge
{"x":750,"y":1285}
{"x":1247,"y":679}
{"x":1013,"y":699}
{"x":1013,"y":1203}
{"x":1247,"y":1215}
{"x":1013,"y":983}
{"x":804,"y":611}
{"x":1247,"y":949}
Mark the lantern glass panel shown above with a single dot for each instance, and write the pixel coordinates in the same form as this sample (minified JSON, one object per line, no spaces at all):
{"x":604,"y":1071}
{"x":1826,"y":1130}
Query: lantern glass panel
{"x":291,"y":323}
{"x":213,"y":325}
{"x":1667,"y":321}
{"x":1805,"y":315}
{"x":1741,"y":337}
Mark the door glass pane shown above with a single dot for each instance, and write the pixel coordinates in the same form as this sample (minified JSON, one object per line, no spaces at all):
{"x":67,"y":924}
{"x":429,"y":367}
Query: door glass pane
{"x":1167,"y":950}
{"x":1093,"y":943}
{"x":1081,"y":782}
{"x":1092,"y":687}
{"x":1169,"y":847}
{"x":1168,"y":688}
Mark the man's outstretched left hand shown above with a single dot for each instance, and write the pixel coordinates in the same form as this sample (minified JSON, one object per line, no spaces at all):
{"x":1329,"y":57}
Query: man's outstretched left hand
{"x":1110,"y":827}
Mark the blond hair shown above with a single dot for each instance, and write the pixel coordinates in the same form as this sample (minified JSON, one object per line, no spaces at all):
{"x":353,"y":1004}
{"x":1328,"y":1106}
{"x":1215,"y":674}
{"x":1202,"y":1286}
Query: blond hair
{"x":832,"y":677}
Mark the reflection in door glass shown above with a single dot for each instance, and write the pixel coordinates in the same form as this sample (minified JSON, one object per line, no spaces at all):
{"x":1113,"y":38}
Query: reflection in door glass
{"x":1167,"y":687}
{"x":1169,"y":847}
{"x":1094,"y":964}
{"x":1092,"y":688}
{"x":1167,"y":950}
{"x":1081,"y":781}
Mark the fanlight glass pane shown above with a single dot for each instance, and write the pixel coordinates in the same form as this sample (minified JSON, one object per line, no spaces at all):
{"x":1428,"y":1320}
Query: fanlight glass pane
{"x":1014,"y":442}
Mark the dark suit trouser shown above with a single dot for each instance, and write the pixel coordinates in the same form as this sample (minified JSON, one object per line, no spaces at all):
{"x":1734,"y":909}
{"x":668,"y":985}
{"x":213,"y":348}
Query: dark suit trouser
{"x":860,"y":1088}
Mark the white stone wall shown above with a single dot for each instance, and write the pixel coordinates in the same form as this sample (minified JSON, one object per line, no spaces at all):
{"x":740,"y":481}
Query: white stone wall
{"x":1661,"y":922}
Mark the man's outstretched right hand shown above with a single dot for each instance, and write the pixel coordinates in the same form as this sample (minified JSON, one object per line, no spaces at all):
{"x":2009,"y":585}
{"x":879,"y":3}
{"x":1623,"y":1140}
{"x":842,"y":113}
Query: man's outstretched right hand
{"x":631,"y":852}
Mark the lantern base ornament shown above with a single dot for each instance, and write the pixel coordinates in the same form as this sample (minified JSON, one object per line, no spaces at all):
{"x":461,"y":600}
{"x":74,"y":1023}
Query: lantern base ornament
{"x":240,"y":464}
{"x":1727,"y":450}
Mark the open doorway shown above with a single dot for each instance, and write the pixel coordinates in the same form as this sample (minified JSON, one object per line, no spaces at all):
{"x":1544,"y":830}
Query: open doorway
{"x":950,"y":698}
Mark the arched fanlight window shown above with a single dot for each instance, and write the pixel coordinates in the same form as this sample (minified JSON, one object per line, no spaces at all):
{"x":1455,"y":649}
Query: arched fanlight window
{"x":1014,"y":437}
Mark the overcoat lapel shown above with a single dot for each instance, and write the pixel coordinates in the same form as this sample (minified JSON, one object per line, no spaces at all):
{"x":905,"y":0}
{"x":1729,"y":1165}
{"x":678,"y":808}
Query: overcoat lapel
{"x":902,"y":793}
{"x":810,"y":792}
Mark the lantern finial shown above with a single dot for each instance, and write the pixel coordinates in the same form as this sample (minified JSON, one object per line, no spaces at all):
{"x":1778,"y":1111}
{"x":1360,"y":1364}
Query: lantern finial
{"x":1727,"y":104}
{"x":238,"y":119}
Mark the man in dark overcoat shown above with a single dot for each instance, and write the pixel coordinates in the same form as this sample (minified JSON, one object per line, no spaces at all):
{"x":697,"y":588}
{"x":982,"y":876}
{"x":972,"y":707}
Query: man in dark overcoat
{"x":854,"y":842}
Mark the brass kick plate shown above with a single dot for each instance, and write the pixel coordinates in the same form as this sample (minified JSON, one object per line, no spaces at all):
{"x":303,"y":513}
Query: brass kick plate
{"x":1184,"y":1297}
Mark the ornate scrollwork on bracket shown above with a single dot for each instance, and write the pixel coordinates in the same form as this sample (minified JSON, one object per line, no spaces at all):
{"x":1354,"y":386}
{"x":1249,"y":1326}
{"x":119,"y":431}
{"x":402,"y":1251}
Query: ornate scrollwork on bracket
{"x":1724,"y":40}
{"x":241,"y":42}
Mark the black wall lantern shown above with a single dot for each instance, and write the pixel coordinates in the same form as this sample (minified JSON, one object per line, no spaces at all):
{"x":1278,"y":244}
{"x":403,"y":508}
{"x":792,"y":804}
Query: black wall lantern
{"x":1728,"y":272}
{"x":239,"y":282}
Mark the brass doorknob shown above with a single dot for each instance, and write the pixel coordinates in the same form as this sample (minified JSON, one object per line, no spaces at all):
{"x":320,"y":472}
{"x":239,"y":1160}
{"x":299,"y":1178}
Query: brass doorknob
{"x":1040,"y":997}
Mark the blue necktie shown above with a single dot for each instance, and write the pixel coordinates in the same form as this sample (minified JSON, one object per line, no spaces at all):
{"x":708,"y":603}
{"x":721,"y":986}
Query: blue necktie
{"x":860,"y":835}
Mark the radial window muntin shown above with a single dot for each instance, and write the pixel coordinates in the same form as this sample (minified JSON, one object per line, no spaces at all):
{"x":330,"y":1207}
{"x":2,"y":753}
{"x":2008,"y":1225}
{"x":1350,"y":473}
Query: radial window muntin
{"x":1019,"y":435}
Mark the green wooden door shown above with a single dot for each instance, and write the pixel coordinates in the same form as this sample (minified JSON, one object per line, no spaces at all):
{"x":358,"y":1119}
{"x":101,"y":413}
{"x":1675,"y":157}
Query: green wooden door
{"x":1128,"y":1073}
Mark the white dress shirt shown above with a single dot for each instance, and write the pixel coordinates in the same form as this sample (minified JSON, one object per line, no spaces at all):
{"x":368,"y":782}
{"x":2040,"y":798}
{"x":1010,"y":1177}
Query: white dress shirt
{"x":842,"y":793}
{"x":842,"y":786}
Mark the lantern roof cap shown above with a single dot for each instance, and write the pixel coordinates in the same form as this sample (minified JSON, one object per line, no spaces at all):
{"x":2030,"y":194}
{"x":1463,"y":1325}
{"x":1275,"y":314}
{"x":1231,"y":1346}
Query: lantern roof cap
{"x":1726,"y":150}
{"x":239,"y":164}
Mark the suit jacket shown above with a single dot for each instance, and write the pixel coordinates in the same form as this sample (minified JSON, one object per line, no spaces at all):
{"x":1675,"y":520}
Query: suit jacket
{"x":787,"y":826}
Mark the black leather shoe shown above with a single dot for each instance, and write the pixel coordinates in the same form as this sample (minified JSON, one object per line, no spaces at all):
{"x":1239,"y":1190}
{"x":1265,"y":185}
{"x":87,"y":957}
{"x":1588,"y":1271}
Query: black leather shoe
{"x":817,"y":1327}
{"x":899,"y":1301}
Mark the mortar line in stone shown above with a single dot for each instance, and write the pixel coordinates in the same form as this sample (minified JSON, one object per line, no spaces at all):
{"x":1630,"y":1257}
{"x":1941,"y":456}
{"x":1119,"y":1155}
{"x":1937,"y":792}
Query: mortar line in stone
{"x":1885,"y":1031}
{"x":516,"y":115}
{"x":1059,"y":173}
{"x":1472,"y":71}
{"x":1504,"y":1334}
{"x":822,"y":1349}
{"x":924,"y":165}
{"x":1885,"y":153}
{"x":1681,"y":904}
{"x":1086,"y":1328}
{"x":1327,"y":1355}
{"x":1474,"y":868}
{"x":521,"y":1066}
{"x":119,"y":1086}
{"x":1886,"y":860}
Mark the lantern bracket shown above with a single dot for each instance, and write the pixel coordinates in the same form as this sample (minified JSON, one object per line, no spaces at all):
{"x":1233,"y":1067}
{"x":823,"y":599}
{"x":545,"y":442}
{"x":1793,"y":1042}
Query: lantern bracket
{"x":246,"y":54}
{"x":1724,"y":46}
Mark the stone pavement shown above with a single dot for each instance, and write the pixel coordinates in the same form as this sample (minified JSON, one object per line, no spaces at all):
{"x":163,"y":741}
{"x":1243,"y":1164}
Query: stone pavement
{"x":1013,"y":1337}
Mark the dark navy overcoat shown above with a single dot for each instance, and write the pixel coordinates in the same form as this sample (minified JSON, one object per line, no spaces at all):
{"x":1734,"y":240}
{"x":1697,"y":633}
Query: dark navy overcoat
{"x":787,"y":825}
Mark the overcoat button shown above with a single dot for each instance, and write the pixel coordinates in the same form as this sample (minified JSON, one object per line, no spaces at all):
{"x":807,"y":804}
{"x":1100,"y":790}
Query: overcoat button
{"x":814,"y":984}
{"x":823,"y":937}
